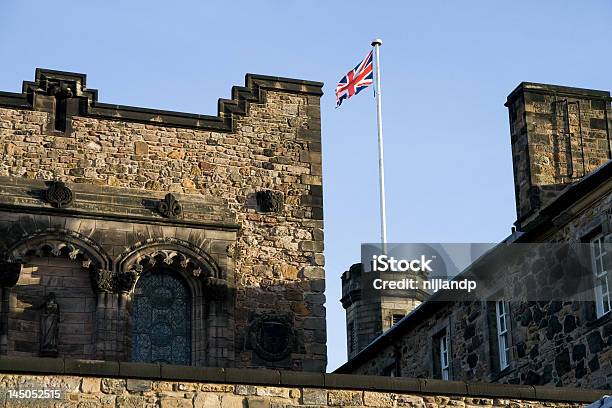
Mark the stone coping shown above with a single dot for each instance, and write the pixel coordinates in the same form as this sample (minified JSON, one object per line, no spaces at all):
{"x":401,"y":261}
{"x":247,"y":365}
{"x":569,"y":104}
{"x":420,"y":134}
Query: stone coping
{"x":534,"y":87}
{"x":165,"y":372}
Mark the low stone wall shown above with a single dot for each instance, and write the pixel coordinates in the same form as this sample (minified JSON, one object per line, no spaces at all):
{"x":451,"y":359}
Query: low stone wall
{"x":89,"y":384}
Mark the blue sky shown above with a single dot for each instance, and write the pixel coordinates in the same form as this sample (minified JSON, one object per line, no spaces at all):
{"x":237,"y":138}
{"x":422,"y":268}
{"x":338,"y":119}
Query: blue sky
{"x":447,"y":67}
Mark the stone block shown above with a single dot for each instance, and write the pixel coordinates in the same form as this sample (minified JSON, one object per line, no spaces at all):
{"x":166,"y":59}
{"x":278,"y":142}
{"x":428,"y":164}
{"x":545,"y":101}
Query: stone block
{"x":314,"y":396}
{"x":378,"y":399}
{"x":344,"y":398}
{"x":314,"y":323}
{"x":311,"y":180}
{"x":252,"y":376}
{"x":113,"y":385}
{"x":206,"y":400}
{"x":280,"y":392}
{"x":245,"y":389}
{"x":443,"y":387}
{"x":63,"y":383}
{"x":141,"y":148}
{"x":90,"y":385}
{"x":139,"y":370}
{"x":172,"y":402}
{"x":95,"y":367}
{"x":32,"y":365}
{"x":232,"y":401}
{"x":180,"y":372}
{"x":259,"y":403}
{"x":313,"y":272}
{"x":131,"y":401}
{"x":568,"y":394}
{"x":137,"y":385}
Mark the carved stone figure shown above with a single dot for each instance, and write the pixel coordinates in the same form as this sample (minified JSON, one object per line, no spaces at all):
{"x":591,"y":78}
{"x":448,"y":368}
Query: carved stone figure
{"x":49,"y":327}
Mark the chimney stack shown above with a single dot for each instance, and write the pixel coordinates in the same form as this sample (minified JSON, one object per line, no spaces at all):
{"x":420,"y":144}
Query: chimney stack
{"x":559,"y":135}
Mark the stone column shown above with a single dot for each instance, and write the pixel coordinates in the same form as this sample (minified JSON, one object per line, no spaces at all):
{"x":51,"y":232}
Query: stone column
{"x":102,"y":284}
{"x":124,"y":328}
{"x":218,"y":298}
{"x":124,"y":287}
{"x":99,"y":322}
{"x":9,"y":275}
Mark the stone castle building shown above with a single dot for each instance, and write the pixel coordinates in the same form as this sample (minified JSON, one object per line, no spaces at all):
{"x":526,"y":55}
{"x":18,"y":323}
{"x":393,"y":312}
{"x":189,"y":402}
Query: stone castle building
{"x":561,"y":152}
{"x":144,"y":235}
{"x":153,"y":259}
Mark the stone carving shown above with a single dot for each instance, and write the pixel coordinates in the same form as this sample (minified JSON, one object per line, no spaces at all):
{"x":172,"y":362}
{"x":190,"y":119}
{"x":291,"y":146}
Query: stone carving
{"x":168,"y":251}
{"x":102,"y":280}
{"x":114,"y":282}
{"x":9,"y":274}
{"x":59,"y":195}
{"x":169,"y":207}
{"x":60,"y":243}
{"x":60,"y":89}
{"x":269,"y":201}
{"x":124,"y":281}
{"x":271,"y":336}
{"x":49,"y":327}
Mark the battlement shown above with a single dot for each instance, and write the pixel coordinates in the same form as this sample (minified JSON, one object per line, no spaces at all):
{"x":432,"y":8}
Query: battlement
{"x":65,"y":94}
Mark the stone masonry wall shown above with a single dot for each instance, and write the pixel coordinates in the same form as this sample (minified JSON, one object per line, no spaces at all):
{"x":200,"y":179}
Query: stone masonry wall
{"x":552,"y":342}
{"x":273,"y":146}
{"x":90,"y":392}
{"x":78,"y":304}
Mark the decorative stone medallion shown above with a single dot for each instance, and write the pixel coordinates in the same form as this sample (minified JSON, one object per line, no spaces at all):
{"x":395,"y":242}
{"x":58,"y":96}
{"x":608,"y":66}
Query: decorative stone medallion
{"x":59,"y":195}
{"x":271,"y":337}
{"x":169,"y":207}
{"x":269,"y":201}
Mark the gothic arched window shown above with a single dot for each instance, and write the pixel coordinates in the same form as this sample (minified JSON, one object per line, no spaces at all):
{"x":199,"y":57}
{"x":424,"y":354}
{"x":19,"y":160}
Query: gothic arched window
{"x":161,"y":319}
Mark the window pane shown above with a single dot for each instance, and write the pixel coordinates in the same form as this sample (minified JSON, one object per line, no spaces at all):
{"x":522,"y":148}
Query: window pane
{"x":503,"y":351}
{"x":162,"y":319}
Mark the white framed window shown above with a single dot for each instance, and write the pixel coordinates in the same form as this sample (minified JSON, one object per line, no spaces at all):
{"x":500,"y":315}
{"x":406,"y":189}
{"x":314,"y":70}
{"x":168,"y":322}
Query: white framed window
{"x":600,"y":274}
{"x":444,"y":365}
{"x":503,"y":341}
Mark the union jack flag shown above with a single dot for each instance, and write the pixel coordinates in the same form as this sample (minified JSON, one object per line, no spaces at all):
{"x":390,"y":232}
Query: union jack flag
{"x":356,"y":80}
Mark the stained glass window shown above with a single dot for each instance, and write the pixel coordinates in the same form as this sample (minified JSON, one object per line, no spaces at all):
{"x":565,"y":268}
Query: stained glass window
{"x":162,"y":319}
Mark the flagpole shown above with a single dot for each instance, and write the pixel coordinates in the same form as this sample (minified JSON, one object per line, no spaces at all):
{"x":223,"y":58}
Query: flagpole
{"x":381,"y":162}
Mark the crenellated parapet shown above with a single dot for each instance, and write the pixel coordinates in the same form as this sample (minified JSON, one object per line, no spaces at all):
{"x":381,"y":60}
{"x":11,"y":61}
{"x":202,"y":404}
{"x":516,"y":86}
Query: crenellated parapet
{"x":65,"y":94}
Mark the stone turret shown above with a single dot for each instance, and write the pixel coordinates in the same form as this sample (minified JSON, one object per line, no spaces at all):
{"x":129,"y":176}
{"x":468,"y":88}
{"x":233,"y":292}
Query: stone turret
{"x":370,"y":312}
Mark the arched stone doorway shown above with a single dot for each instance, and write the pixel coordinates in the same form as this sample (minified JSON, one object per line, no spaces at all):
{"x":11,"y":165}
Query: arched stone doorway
{"x":161,"y":328}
